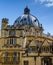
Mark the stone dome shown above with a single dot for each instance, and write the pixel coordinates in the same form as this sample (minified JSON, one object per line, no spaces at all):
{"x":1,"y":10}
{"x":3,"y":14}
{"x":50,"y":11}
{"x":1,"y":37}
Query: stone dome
{"x":27,"y":19}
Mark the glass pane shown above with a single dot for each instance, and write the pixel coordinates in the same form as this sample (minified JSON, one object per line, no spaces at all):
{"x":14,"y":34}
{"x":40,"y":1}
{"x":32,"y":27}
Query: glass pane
{"x":15,"y":56}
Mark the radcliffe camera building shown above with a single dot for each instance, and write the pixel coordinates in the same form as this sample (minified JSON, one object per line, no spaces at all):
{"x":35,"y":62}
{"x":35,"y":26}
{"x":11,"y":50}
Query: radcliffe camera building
{"x":24,"y":42}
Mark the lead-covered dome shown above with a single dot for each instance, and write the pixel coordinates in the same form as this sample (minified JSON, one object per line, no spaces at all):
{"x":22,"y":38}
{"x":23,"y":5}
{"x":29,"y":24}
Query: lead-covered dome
{"x":27,"y":19}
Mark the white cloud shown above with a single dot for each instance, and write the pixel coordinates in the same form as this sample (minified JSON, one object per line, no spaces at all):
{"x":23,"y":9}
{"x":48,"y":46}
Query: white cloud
{"x":47,"y":3}
{"x":42,"y":1}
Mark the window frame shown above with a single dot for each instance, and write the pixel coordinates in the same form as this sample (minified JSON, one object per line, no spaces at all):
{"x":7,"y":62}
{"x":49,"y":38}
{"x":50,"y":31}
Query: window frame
{"x":33,"y":49}
{"x":6,"y":57}
{"x":15,"y":56}
{"x":12,"y":41}
{"x":45,"y":49}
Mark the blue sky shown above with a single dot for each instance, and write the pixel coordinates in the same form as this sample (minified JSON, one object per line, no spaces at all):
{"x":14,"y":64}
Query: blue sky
{"x":42,"y":9}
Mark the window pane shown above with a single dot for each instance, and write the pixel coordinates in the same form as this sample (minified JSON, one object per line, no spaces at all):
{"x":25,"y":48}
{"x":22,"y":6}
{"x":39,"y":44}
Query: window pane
{"x":15,"y":56}
{"x":11,"y":41}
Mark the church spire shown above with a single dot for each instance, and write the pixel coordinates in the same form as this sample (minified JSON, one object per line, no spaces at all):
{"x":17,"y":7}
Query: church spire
{"x":26,"y":10}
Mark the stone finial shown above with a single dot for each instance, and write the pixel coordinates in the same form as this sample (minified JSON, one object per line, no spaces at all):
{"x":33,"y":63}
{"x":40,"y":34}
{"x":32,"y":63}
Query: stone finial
{"x":4,"y":20}
{"x":26,"y":10}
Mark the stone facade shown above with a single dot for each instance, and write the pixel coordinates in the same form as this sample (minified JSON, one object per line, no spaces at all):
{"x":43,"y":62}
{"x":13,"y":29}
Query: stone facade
{"x":24,"y":42}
